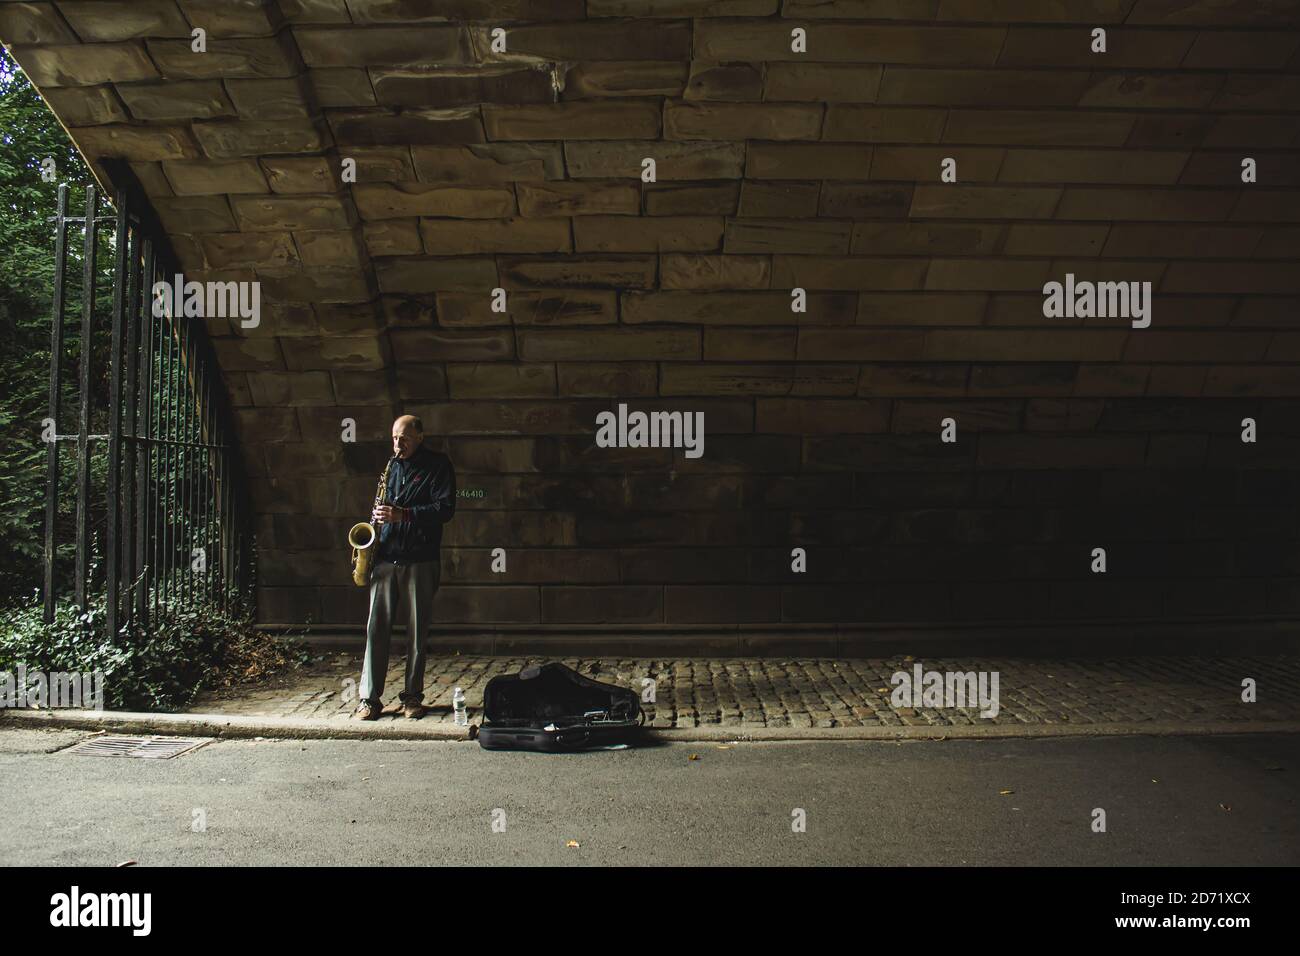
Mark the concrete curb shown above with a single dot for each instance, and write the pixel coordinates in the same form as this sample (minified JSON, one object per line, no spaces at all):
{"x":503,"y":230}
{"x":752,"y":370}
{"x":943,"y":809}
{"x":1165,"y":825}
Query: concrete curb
{"x":232,"y":726}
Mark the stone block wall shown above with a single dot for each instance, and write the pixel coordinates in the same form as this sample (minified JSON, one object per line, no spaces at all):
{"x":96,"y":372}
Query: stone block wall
{"x":480,"y":168}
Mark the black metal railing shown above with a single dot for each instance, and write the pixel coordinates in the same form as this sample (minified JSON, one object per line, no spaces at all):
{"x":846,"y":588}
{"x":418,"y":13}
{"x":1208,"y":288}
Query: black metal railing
{"x":173,"y":527}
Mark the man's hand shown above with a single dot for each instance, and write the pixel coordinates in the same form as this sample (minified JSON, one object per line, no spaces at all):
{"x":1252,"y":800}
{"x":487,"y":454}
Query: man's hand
{"x":387,"y":514}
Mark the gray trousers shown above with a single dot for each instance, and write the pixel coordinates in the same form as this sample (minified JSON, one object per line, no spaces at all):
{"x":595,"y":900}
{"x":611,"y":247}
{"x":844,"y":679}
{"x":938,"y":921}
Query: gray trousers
{"x":417,"y":582}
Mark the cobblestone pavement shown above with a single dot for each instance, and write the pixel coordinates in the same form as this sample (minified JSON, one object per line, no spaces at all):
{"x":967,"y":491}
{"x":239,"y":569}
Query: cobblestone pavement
{"x":769,"y":692}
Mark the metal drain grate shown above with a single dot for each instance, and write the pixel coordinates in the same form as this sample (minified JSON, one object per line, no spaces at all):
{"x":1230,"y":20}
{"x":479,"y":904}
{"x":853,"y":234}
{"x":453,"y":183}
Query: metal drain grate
{"x":158,"y":748}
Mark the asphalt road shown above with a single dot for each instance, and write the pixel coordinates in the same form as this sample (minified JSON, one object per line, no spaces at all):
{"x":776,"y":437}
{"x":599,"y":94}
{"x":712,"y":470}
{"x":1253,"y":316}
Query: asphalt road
{"x":1168,"y":801}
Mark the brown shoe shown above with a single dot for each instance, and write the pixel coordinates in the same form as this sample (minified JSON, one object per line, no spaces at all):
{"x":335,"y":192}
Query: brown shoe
{"x":368,"y":710}
{"x":413,"y":710}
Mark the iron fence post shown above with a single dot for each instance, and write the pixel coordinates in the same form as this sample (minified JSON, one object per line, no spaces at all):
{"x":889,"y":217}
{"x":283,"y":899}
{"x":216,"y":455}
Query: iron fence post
{"x":56,"y":385}
{"x":86,"y":357}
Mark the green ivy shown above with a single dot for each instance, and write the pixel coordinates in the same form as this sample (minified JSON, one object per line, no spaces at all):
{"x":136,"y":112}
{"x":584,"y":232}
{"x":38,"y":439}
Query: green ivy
{"x":184,"y":651}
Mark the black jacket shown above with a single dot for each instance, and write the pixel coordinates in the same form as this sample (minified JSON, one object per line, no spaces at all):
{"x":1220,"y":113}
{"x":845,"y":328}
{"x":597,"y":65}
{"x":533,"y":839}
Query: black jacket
{"x":425,"y":483}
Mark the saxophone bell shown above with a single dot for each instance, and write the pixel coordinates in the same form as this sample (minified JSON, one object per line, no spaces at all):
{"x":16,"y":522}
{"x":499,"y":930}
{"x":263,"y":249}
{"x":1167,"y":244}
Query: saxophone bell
{"x":363,"y":537}
{"x":362,"y":551}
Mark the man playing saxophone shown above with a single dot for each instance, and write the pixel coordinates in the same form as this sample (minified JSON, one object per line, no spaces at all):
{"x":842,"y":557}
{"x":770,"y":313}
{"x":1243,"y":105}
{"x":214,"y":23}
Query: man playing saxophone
{"x":418,"y":498}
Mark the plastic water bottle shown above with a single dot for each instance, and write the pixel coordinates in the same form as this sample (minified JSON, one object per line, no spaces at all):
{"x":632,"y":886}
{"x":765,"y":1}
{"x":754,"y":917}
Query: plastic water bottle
{"x":458,"y":706}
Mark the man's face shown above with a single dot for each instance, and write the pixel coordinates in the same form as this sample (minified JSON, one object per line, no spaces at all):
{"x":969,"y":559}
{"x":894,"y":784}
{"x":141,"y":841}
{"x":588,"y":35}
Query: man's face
{"x":405,"y":439}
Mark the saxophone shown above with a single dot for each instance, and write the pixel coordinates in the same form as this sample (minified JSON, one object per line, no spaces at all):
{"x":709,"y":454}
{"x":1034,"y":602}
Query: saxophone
{"x":363,"y":553}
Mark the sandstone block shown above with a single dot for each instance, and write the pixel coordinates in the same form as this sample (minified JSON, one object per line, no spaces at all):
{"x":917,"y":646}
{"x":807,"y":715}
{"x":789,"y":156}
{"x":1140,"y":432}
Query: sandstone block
{"x":811,"y":416}
{"x":952,"y":200}
{"x":712,"y":121}
{"x":921,"y":163}
{"x":36,"y":23}
{"x":139,"y":143}
{"x":384,"y":46}
{"x":765,"y":161}
{"x":610,"y":345}
{"x":248,"y":355}
{"x":342,"y":86}
{"x":278,"y":389}
{"x":769,"y":40}
{"x":778,"y":199}
{"x":787,"y":235}
{"x":410,"y":127}
{"x":622,"y":78}
{"x":736,"y":308}
{"x":607,"y":379}
{"x":404,"y":200}
{"x":445,"y":345}
{"x":199,"y":99}
{"x":921,"y":308}
{"x":1125,"y":49}
{"x":393,"y":237}
{"x":913,"y":379}
{"x":673,"y":160}
{"x":110,"y":21}
{"x":78,"y":64}
{"x":570,"y":307}
{"x":85,"y":106}
{"x":660,"y":234}
{"x":822,"y":82}
{"x":1092,"y":166}
{"x":713,"y":272}
{"x":613,"y":271}
{"x":422,"y":274}
{"x":544,"y":200}
{"x":196,"y":214}
{"x":732,"y":82}
{"x":594,"y":40}
{"x":278,"y":213}
{"x":414,"y":11}
{"x":247,"y":138}
{"x":269,"y":99}
{"x":686,"y":198}
{"x":330,"y":248}
{"x":227,"y":250}
{"x":573,"y":120}
{"x":210,"y":178}
{"x":443,"y":237}
{"x":318,"y":285}
{"x":925,"y":238}
{"x":225,"y":59}
{"x":489,"y":162}
{"x":499,"y":380}
{"x":361,"y":352}
{"x":682,"y":8}
{"x":869,"y":345}
{"x":463,"y":87}
{"x":845,"y":272}
{"x":750,"y":345}
{"x":384,"y":164}
{"x":1152,"y":90}
{"x":983,"y":88}
{"x":242,"y":18}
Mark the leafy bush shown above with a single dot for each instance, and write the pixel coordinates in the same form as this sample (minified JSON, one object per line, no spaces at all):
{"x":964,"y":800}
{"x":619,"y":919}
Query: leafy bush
{"x":184,"y":651}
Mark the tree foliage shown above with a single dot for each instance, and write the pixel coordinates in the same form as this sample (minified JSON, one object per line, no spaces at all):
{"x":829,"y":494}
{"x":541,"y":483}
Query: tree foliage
{"x":29,"y":133}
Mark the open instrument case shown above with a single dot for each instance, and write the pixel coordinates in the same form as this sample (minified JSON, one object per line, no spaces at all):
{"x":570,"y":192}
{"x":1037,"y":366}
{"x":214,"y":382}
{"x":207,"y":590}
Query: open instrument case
{"x":552,"y":708}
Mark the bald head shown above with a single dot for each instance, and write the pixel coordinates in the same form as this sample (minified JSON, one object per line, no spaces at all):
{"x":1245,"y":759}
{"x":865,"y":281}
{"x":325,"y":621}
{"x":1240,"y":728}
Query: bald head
{"x":408,"y":432}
